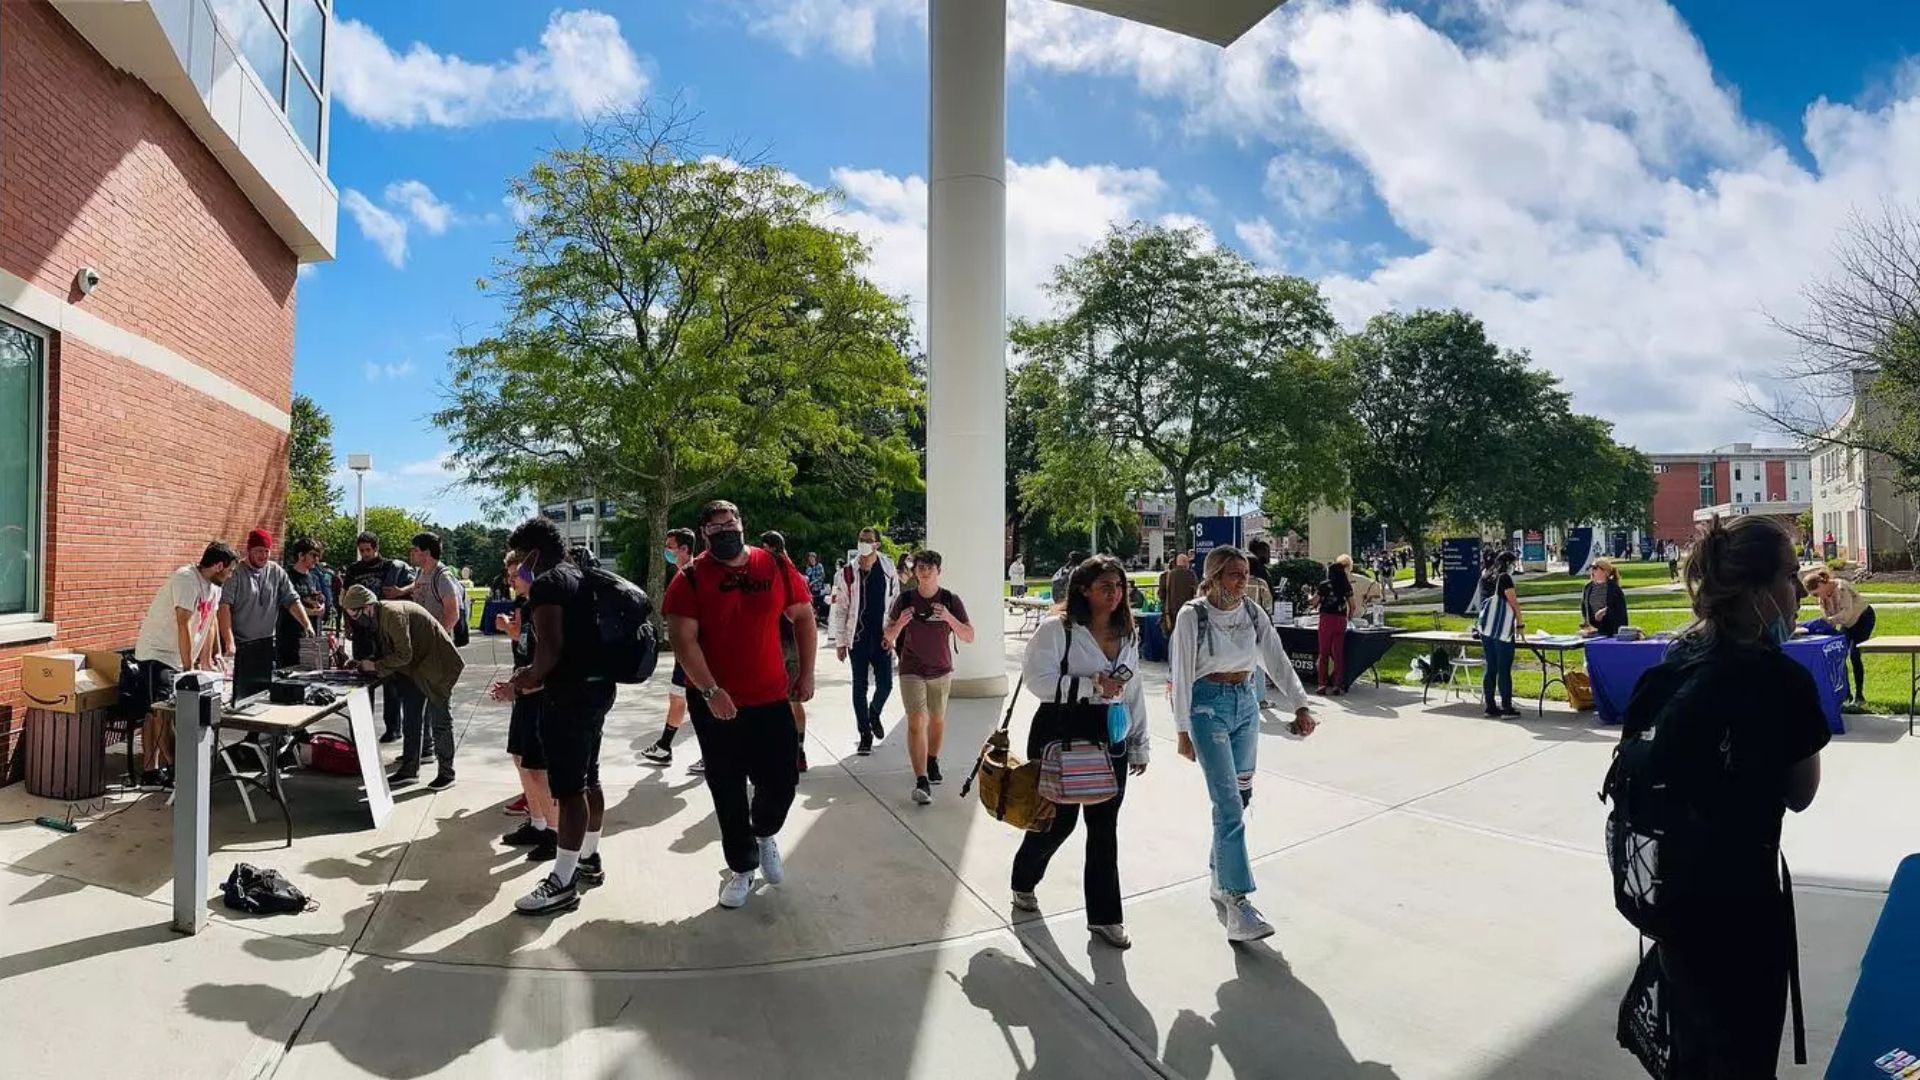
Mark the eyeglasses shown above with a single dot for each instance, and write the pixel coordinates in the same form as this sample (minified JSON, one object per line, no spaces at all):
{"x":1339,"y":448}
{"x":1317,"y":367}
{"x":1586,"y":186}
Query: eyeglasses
{"x":722,"y":525}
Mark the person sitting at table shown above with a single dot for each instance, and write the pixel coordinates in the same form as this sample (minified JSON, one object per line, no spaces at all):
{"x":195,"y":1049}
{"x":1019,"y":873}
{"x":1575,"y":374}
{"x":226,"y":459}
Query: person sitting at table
{"x":1739,"y":727}
{"x":1845,"y":612}
{"x":1603,"y":607}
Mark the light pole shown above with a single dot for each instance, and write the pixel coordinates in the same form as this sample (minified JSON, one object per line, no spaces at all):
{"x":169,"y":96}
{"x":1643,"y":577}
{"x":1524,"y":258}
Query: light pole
{"x":360,"y":463}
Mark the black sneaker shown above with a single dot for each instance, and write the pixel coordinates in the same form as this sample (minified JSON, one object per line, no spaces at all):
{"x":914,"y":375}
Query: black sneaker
{"x":527,"y":836}
{"x":403,"y":776}
{"x":389,"y":736}
{"x":933,"y":770}
{"x":440,"y":782}
{"x":1508,"y":710}
{"x":546,"y":849}
{"x":865,"y":747}
{"x":548,"y":898}
{"x":879,"y":733}
{"x":591,"y":873}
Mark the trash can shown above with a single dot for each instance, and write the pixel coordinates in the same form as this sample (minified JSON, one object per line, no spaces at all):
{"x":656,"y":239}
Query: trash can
{"x":67,"y":754}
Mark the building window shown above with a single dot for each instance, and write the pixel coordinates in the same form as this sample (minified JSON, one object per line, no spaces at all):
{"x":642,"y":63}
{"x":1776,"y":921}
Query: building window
{"x":1736,"y":472}
{"x":1739,"y":496}
{"x":23,"y":354}
{"x":285,"y":43}
{"x":1659,"y":469}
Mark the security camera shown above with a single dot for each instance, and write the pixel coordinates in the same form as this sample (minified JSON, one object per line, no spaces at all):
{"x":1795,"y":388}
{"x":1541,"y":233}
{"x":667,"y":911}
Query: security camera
{"x":86,"y":279}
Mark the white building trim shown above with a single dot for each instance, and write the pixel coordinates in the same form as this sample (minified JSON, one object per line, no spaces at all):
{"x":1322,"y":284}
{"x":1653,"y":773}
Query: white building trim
{"x":70,"y":321}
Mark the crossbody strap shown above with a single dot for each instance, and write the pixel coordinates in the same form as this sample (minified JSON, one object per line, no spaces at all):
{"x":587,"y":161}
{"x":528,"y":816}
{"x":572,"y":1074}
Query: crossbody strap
{"x":1793,"y":968}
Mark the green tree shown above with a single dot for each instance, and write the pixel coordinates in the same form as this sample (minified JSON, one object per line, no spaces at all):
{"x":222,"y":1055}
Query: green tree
{"x":1434,"y":421}
{"x":1172,"y":347}
{"x":311,"y":493}
{"x":474,"y":546}
{"x":678,"y":327}
{"x":394,"y":526}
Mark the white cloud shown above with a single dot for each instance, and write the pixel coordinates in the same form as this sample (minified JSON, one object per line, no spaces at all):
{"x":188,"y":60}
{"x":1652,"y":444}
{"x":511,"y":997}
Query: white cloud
{"x":1053,"y":211}
{"x":1262,"y":241}
{"x":393,"y":372}
{"x":306,"y":271}
{"x":421,"y":204}
{"x":1311,"y":188}
{"x":386,"y":230}
{"x":583,"y":68}
{"x":519,"y":209}
{"x":440,"y":466}
{"x":1555,"y":201}
{"x":846,"y":28}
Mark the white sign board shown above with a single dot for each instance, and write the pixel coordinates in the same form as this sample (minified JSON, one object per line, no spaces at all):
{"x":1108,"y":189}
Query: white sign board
{"x":366,"y":744}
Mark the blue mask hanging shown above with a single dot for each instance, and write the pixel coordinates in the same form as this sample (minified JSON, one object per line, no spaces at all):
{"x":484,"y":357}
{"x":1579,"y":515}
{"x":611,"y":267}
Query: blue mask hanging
{"x":1118,"y":721}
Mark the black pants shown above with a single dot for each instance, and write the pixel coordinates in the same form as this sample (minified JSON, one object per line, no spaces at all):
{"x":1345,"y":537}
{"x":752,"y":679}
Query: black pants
{"x":572,"y":716}
{"x":426,"y":722}
{"x":1102,"y":875}
{"x":756,"y":745}
{"x":867,"y":656}
{"x":1857,"y":633}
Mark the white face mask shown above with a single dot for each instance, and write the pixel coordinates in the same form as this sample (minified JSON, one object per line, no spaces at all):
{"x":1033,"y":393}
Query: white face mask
{"x":865,"y":549}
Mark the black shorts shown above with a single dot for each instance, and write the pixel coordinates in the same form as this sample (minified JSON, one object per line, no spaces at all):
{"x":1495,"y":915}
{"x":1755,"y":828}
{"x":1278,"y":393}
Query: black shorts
{"x":523,"y":733}
{"x":571,"y":716}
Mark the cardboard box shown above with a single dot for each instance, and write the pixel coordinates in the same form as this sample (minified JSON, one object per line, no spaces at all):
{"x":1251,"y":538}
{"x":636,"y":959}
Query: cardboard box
{"x":69,"y":682}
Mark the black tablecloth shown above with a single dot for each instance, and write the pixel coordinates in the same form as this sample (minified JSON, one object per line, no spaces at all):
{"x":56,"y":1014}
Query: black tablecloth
{"x":1365,"y":647}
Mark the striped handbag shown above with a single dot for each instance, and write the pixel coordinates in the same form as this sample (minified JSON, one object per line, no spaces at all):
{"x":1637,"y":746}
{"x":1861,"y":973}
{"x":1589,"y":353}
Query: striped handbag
{"x":1077,"y":772}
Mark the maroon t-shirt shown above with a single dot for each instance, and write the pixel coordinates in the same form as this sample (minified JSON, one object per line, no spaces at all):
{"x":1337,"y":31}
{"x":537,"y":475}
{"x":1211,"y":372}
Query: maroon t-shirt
{"x":738,"y":609}
{"x":926,"y":644}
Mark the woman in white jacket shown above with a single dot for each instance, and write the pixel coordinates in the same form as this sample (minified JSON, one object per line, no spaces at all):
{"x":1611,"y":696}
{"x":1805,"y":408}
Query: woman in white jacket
{"x":1218,"y":643}
{"x":1093,"y":628}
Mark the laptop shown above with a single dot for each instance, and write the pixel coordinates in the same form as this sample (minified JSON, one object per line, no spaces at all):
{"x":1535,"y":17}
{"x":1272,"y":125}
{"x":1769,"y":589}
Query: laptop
{"x":252,"y":679}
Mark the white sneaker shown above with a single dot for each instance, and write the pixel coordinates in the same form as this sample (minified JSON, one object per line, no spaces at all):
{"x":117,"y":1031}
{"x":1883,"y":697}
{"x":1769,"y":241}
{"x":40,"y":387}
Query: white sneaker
{"x":1113,"y":934}
{"x":699,"y":767}
{"x":922,"y":794}
{"x":733,"y":894}
{"x":1244,"y":922}
{"x":549,"y":897}
{"x":1025,"y":901}
{"x":770,"y":867}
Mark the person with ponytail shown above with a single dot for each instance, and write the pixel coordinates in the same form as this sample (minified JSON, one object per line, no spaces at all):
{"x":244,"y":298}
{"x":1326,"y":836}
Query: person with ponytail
{"x":1738,"y":728}
{"x":1219,"y":642}
{"x":1499,"y":626}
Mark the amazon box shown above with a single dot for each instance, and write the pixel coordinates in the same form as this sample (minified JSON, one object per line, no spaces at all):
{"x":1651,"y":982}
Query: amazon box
{"x":70,"y":682}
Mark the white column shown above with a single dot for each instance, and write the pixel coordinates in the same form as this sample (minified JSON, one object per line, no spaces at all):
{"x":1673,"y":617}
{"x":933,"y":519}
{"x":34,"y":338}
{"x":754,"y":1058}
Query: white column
{"x":966,"y":323}
{"x":1329,"y":532}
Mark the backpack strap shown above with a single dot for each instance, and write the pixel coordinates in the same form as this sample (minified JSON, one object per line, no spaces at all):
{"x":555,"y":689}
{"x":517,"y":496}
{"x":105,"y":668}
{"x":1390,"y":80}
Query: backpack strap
{"x":1793,"y":967}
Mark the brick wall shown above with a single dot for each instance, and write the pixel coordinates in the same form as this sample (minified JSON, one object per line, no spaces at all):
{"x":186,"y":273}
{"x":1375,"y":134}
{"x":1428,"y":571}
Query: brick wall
{"x":1776,"y":480}
{"x":1676,"y":495}
{"x":97,"y":170}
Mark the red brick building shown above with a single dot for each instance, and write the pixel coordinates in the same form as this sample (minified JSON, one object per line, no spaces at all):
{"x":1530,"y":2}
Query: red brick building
{"x":1731,"y":481}
{"x":157,"y":196}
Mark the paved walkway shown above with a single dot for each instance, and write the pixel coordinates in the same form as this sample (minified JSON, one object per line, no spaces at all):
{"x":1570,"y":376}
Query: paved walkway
{"x":1436,"y":880}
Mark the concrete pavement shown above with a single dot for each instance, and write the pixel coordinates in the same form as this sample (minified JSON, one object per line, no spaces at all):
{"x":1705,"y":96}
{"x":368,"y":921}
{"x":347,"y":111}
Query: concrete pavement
{"x":1436,"y":880}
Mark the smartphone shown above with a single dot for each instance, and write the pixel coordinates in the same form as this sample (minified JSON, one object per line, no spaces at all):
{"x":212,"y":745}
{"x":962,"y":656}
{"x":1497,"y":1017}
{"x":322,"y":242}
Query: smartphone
{"x":1121,"y":673}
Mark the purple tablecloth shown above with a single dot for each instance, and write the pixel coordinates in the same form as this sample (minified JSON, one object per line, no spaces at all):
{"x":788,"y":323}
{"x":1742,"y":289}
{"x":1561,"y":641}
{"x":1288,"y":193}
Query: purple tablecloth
{"x":1616,"y":666}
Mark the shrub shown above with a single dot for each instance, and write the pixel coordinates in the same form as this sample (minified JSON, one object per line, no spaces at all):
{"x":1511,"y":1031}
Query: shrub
{"x":1293,"y":577}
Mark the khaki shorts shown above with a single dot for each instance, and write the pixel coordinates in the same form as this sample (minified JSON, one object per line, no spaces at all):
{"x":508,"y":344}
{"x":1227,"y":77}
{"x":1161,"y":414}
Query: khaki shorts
{"x":924,"y":696}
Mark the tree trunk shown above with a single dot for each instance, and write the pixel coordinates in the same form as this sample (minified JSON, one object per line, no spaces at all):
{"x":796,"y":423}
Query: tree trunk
{"x":656,"y":542}
{"x":1182,"y":523}
{"x":1420,"y":559}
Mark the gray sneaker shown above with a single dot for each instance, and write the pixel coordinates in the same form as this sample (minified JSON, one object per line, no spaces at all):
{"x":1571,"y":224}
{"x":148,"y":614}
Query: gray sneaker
{"x":1244,"y":921}
{"x":699,"y":767}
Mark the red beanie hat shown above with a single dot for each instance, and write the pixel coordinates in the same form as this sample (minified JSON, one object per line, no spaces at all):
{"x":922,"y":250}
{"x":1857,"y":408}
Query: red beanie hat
{"x":259,"y":538}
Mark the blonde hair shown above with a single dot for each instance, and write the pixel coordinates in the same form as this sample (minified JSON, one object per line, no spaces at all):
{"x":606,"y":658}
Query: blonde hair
{"x":1819,"y":575}
{"x":1346,"y":561}
{"x":1604,"y":563}
{"x":1216,"y":564}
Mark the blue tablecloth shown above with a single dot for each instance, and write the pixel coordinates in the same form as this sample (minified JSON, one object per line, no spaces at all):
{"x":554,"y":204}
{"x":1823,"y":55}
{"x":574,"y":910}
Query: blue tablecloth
{"x":494,"y":607}
{"x":1616,"y":666}
{"x":1884,"y":1014}
{"x":1153,"y":642}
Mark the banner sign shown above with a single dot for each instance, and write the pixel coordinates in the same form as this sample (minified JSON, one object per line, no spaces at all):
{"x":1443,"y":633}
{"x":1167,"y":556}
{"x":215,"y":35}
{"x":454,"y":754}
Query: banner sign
{"x":1580,"y":553}
{"x":1210,"y":533}
{"x":1459,"y":573}
{"x":1534,"y":549}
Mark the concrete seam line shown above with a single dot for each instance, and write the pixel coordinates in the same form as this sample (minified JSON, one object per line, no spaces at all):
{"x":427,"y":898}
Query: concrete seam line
{"x":1069,"y":981}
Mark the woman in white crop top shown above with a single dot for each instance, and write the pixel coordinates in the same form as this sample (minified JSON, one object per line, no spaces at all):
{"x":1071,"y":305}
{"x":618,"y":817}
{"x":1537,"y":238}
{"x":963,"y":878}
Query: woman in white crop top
{"x":1219,"y":641}
{"x":1093,"y":629}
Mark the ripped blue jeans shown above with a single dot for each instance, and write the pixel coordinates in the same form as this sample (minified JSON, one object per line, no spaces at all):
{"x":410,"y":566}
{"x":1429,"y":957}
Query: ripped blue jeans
{"x":1224,"y":723}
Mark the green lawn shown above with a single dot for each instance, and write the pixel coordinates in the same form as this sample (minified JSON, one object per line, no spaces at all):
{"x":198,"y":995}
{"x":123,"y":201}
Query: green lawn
{"x":1886,"y":675}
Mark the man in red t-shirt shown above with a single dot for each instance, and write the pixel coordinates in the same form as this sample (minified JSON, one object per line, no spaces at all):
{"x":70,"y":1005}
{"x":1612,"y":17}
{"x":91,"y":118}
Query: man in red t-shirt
{"x":723,"y":617}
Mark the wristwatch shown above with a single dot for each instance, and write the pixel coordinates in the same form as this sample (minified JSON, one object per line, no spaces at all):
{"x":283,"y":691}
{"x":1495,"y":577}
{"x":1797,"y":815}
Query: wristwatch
{"x":710,"y":692}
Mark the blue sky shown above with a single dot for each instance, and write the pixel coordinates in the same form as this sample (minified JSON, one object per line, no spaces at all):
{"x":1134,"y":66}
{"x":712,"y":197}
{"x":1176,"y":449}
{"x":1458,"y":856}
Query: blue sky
{"x":1625,"y":188}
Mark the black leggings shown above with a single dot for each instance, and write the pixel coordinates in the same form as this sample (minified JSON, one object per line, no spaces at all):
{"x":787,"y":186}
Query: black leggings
{"x":1857,"y":633}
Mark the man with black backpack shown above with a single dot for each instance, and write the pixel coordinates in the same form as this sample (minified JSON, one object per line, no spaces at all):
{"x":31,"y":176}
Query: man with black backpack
{"x":575,"y":696}
{"x":724,"y":614}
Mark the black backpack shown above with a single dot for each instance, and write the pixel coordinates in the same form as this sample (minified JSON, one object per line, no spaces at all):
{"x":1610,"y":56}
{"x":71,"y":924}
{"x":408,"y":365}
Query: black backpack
{"x":629,"y":648}
{"x":263,"y":892}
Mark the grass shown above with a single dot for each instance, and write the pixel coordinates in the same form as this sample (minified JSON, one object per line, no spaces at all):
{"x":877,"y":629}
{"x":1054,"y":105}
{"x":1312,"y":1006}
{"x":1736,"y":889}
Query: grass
{"x":1886,"y":675}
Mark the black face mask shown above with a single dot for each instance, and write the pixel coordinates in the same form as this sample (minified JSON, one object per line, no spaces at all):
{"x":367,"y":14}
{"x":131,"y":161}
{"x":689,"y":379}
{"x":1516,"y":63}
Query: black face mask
{"x":726,"y":546}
